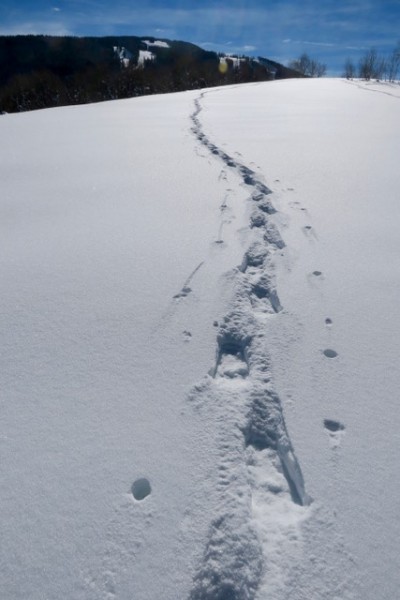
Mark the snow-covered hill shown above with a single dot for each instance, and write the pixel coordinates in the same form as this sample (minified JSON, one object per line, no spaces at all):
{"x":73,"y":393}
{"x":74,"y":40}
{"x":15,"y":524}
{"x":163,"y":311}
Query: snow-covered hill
{"x":144,"y":55}
{"x":199,"y":320}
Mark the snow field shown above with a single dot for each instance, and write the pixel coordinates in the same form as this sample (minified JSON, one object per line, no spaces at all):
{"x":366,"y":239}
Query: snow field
{"x":188,"y":279}
{"x":104,"y":223}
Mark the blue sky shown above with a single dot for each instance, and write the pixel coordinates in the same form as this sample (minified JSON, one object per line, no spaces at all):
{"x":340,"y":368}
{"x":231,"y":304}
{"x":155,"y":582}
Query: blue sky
{"x":328,"y":30}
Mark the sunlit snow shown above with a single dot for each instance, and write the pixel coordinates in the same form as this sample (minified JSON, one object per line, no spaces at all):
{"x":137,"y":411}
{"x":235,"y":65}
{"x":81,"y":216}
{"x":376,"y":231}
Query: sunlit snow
{"x":158,"y":43}
{"x":145,"y":55}
{"x":199,"y":318}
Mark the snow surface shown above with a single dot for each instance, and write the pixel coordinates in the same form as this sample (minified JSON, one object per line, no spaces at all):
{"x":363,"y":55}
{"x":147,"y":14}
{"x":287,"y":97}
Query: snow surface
{"x":158,"y":43}
{"x":145,"y":55}
{"x":234,"y":59}
{"x":199,"y":321}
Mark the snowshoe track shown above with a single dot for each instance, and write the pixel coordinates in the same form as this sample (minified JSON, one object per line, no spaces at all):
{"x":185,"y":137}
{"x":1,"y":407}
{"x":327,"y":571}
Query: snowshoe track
{"x":258,"y":467}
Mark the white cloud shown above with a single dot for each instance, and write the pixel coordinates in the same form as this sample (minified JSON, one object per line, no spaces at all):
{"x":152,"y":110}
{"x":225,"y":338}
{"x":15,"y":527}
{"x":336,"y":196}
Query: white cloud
{"x":306,"y":42}
{"x":357,"y":47}
{"x":324,"y":44}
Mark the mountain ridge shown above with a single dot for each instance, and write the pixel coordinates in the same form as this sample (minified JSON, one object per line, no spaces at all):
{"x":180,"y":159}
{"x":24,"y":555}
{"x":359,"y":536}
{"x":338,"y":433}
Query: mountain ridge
{"x":41,"y":71}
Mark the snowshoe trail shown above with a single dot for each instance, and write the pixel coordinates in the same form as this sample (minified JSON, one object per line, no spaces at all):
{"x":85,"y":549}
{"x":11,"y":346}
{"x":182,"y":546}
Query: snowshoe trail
{"x":260,"y":479}
{"x":248,"y":176}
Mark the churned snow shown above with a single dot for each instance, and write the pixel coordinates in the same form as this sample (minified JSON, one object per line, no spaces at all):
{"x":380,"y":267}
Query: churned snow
{"x":199,"y":319}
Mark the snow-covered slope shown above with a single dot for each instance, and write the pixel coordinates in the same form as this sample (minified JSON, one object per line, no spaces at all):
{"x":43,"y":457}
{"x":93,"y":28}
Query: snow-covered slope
{"x":199,"y":340}
{"x":159,"y":43}
{"x":145,"y":55}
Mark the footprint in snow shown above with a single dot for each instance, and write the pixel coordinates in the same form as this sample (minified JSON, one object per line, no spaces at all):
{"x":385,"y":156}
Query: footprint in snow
{"x":315,"y":276}
{"x":309,"y":231}
{"x":335,"y":429}
{"x":333,"y":426}
{"x":141,"y":488}
{"x":329,"y":353}
{"x":183,"y":293}
{"x":232,"y":366}
{"x":307,"y":228}
{"x":231,"y":360}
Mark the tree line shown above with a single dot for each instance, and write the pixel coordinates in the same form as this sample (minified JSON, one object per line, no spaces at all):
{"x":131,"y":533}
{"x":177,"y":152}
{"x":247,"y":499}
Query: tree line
{"x":372,"y":65}
{"x":307,"y":66}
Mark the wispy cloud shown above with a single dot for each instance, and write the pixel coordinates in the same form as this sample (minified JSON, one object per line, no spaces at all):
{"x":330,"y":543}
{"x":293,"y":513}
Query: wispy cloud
{"x":308,"y":43}
{"x":357,"y":48}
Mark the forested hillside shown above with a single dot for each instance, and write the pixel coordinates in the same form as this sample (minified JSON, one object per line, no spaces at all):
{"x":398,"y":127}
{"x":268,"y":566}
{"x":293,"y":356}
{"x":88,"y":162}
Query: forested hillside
{"x":45,"y":71}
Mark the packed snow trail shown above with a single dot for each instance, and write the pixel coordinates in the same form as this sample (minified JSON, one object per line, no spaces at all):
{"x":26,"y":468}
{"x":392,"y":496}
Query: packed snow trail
{"x":258,"y":469}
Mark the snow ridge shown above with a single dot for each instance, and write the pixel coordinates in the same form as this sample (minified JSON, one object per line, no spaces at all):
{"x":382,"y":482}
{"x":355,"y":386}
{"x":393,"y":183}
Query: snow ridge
{"x":260,"y":480}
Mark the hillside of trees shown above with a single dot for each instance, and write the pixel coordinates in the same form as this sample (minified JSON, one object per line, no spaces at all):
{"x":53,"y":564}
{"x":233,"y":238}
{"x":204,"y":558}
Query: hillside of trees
{"x":46,"y":71}
{"x":307,"y":66}
{"x":375,"y":66}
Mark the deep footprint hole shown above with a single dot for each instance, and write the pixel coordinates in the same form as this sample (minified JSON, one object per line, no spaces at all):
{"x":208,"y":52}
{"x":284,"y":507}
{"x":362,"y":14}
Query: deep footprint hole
{"x":333,"y":426}
{"x":141,"y":488}
{"x":232,"y":348}
{"x":329,"y":353}
{"x":259,"y":291}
